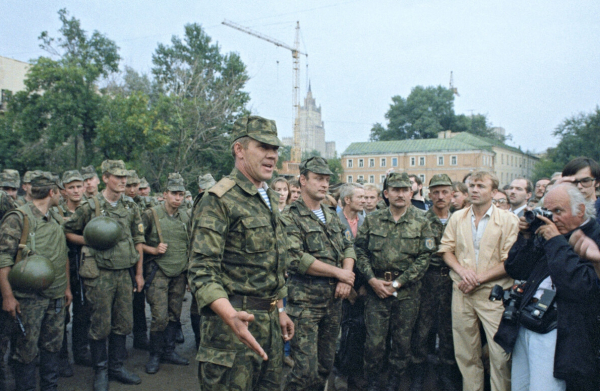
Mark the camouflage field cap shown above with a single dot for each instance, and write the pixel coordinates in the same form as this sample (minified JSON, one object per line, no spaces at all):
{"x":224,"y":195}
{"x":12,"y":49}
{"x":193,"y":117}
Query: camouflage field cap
{"x":114,"y":167}
{"x":88,"y":172}
{"x":144,"y":183}
{"x":132,"y":177}
{"x":258,"y":128}
{"x":175,"y":182}
{"x":188,"y":193}
{"x":206,"y":181}
{"x":43,"y":179}
{"x":71,"y":176}
{"x":398,"y":179}
{"x":10,"y":178}
{"x":440,"y":180}
{"x":27,"y":176}
{"x":316,"y":164}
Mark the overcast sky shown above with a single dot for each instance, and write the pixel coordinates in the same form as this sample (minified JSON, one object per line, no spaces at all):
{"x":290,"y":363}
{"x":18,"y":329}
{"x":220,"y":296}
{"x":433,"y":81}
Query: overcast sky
{"x":526,"y":64}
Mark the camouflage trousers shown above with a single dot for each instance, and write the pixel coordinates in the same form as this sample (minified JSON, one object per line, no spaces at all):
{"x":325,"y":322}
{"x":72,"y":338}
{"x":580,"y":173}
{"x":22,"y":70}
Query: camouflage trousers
{"x":6,"y":330}
{"x":435,"y":308}
{"x":110,"y":298}
{"x":165,"y":296}
{"x":44,"y":322}
{"x":387,"y":319}
{"x":225,"y":363}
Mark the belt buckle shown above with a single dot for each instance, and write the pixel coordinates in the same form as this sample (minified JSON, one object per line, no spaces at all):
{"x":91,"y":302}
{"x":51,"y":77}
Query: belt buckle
{"x":387,"y":276}
{"x":273,"y":305}
{"x":332,"y":281}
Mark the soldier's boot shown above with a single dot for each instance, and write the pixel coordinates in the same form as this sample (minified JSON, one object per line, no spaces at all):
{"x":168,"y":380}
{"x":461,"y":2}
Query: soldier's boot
{"x":100,"y":364}
{"x":394,"y":381}
{"x":65,"y":369}
{"x":169,"y":355}
{"x":80,"y":345}
{"x":372,"y":383}
{"x":156,"y":350}
{"x":447,"y":378}
{"x":179,"y":338}
{"x":140,"y":326}
{"x":140,"y":340}
{"x":49,"y":370}
{"x":25,"y":379}
{"x":195,"y":321}
{"x":418,"y":372}
{"x":117,"y":352}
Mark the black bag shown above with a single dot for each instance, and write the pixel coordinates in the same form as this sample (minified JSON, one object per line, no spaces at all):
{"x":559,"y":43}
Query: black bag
{"x":349,"y":357}
{"x":540,"y":316}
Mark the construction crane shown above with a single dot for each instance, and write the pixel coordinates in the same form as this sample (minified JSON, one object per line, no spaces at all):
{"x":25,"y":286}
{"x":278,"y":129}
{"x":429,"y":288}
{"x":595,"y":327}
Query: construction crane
{"x":296,"y":153}
{"x":452,"y":88}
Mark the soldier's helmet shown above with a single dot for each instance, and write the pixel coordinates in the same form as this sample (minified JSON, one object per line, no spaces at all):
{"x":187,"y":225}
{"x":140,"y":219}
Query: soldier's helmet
{"x":35,"y":273}
{"x":102,"y":233}
{"x":258,"y":128}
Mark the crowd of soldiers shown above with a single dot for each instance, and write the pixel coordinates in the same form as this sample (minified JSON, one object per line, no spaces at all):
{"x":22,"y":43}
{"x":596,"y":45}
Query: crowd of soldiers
{"x":350,"y":283}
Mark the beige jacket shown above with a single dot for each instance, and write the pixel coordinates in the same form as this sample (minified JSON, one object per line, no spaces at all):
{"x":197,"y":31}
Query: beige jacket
{"x":499,"y":236}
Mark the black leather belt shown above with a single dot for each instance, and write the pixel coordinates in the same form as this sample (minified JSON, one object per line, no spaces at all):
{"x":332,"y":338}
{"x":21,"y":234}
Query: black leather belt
{"x":387,"y":275}
{"x":313,"y":279}
{"x":245,"y":303}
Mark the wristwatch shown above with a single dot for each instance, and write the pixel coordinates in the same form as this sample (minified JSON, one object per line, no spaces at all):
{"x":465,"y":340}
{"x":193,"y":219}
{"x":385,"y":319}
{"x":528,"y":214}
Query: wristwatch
{"x":282,"y":309}
{"x":395,"y":284}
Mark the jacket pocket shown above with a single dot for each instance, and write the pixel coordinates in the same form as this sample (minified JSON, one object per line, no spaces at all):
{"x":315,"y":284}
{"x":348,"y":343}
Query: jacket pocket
{"x":314,"y":240}
{"x":89,"y":267}
{"x":377,"y":240}
{"x":258,"y":234}
{"x":215,"y":366}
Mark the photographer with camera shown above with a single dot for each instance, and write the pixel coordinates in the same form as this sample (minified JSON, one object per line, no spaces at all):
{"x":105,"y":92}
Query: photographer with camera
{"x":551,"y":320}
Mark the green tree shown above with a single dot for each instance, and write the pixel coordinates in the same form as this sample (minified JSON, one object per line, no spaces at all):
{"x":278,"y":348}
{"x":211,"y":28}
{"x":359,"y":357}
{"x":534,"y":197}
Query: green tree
{"x":335,"y":165}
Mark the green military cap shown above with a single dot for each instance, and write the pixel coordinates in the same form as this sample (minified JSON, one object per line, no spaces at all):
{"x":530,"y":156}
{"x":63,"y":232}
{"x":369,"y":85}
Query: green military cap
{"x":88,"y":172}
{"x":175,"y":182}
{"x":258,"y":128}
{"x":27,"y":177}
{"x":10,"y":178}
{"x":206,"y":181}
{"x":144,"y":183}
{"x":440,"y":180}
{"x":43,"y":179}
{"x":316,"y":164}
{"x":188,"y":193}
{"x":71,"y":176}
{"x":398,"y":179}
{"x":132,"y":177}
{"x":114,"y":167}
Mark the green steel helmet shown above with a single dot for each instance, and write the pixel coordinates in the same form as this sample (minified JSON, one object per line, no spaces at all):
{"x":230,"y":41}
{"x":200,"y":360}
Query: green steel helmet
{"x":102,"y":233}
{"x":33,"y":274}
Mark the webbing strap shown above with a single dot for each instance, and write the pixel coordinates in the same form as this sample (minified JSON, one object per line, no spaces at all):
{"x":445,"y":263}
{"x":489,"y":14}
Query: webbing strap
{"x":157,"y":224}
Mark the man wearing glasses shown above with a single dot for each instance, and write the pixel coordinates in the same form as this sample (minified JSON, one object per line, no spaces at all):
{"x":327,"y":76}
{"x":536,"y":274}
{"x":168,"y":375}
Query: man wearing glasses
{"x":584,"y":173}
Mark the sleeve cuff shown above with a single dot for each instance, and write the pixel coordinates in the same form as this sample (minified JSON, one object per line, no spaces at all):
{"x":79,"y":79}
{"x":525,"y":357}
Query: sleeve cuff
{"x":208,"y":294}
{"x":139,"y":239}
{"x":6,"y":261}
{"x":444,"y":248}
{"x":305,"y":263}
{"x":350,"y":253}
{"x":402,"y":280}
{"x":283,"y":292}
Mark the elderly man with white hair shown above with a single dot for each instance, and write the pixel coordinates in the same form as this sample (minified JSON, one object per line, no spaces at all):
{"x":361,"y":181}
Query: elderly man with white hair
{"x":554,"y":339}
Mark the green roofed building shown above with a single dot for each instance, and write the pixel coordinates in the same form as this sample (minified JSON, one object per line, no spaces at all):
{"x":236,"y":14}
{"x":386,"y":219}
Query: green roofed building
{"x":455,"y":154}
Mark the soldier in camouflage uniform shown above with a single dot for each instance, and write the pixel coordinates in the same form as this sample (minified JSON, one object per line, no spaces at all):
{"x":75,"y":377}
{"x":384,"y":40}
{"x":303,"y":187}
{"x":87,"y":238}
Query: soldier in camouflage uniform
{"x":321,"y":276}
{"x":436,"y":295}
{"x":26,"y":185}
{"x":106,"y":274}
{"x":166,"y":249}
{"x":144,"y":200}
{"x":205,"y":182}
{"x":42,"y":312}
{"x":144,"y":189}
{"x":90,"y":181}
{"x":9,"y":183}
{"x":393,"y":247}
{"x":237,"y":266}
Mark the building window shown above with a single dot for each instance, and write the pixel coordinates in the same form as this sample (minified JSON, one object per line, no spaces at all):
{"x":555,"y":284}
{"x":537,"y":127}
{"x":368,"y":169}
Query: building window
{"x":382,"y":179}
{"x":413,"y":161}
{"x":440,"y":160}
{"x":361,"y":178}
{"x":361,"y":163}
{"x":421,"y":160}
{"x":454,"y":160}
{"x":371,"y":162}
{"x":383,"y":162}
{"x":371,"y":178}
{"x":422,"y":177}
{"x":394,"y":162}
{"x":349,"y":163}
{"x":349,"y":179}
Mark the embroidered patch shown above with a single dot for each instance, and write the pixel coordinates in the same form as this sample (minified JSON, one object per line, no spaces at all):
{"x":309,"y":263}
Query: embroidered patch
{"x":429,"y":243}
{"x":348,"y":235}
{"x":141,"y":228}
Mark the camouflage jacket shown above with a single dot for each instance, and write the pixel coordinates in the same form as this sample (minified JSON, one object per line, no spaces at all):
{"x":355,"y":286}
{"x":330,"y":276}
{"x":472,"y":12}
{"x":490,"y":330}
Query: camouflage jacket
{"x":310,"y":239}
{"x":238,"y":243}
{"x":145,"y":202}
{"x":383,"y":244}
{"x":6,"y":204}
{"x":437,"y":227}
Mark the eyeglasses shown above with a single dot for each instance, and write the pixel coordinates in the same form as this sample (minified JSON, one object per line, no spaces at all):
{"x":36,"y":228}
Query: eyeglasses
{"x":585,"y":182}
{"x":500,"y":201}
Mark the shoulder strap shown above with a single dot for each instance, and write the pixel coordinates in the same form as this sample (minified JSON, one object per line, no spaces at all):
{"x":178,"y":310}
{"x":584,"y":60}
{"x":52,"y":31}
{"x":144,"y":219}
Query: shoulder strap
{"x":222,"y":187}
{"x":96,"y":206}
{"x":24,"y":234}
{"x":157,"y":224}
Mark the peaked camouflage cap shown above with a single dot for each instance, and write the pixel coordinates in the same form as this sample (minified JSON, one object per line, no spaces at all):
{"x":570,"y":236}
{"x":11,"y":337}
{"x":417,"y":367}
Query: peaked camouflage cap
{"x":114,"y":167}
{"x":71,"y":176}
{"x":88,"y":172}
{"x":10,"y":178}
{"x":398,"y":179}
{"x":132,"y":177}
{"x":440,"y":180}
{"x":175,"y":182}
{"x":188,"y":193}
{"x":27,"y":176}
{"x":257,"y":128}
{"x":43,"y":179}
{"x":206,"y":181}
{"x":316,"y":164}
{"x":144,"y":183}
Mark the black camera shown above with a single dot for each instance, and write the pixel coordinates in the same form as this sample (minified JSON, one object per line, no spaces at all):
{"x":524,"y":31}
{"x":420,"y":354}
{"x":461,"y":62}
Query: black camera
{"x":533,"y":221}
{"x":511,"y":298}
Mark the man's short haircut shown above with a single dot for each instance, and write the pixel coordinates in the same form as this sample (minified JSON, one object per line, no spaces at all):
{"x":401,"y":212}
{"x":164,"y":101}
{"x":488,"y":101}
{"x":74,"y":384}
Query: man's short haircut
{"x":579,"y":163}
{"x":482,"y":175}
{"x":543,"y":179}
{"x":418,"y":181}
{"x":467,"y":176}
{"x":503,"y":192}
{"x":528,"y":186}
{"x":576,"y":199}
{"x":348,"y":190}
{"x":371,"y":187}
{"x":295,"y":183}
{"x":244,"y":142}
{"x":39,"y":193}
{"x":460,"y":186}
